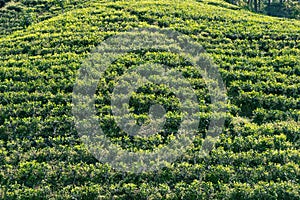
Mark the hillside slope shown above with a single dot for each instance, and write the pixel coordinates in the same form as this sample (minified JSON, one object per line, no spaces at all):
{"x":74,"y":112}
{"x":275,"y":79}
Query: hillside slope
{"x":256,"y":157}
{"x":18,"y":14}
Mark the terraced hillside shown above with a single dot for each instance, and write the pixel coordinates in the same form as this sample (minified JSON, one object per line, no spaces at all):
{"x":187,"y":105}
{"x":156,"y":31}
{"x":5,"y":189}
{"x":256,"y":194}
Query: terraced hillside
{"x":18,"y":14}
{"x":256,"y":156}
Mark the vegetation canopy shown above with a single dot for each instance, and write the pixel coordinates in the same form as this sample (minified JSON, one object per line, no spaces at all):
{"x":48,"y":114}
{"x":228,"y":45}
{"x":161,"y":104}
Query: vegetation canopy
{"x":43,"y":44}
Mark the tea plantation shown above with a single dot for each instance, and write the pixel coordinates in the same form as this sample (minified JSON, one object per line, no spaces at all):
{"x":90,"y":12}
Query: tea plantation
{"x":41,"y":154}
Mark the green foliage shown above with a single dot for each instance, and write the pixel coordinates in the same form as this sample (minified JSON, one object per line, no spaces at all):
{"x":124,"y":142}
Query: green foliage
{"x":277,"y":8}
{"x":18,"y":14}
{"x":42,"y":157}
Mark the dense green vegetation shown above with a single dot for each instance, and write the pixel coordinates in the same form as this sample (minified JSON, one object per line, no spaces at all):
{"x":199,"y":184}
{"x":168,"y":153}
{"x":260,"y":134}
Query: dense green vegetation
{"x":18,"y":14}
{"x":278,"y":8}
{"x":256,"y":156}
